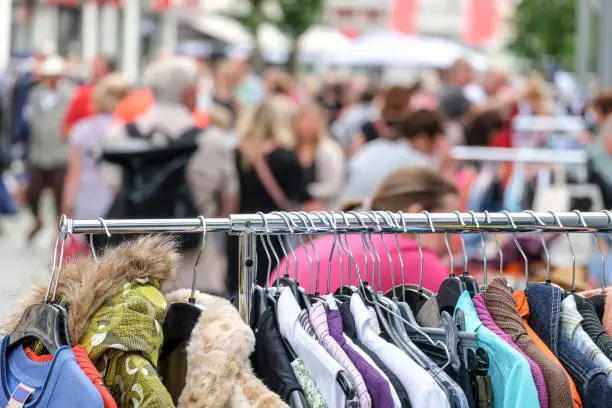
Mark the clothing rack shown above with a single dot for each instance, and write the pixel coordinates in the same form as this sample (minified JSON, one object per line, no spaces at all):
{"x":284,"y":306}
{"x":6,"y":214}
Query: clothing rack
{"x":519,"y":155}
{"x":249,"y":227}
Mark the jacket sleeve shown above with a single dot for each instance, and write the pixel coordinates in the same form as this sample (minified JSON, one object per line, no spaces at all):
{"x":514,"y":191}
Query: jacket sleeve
{"x":330,"y":171}
{"x":77,"y":110}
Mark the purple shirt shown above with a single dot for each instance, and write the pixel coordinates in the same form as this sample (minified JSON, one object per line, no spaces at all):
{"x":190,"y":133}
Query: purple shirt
{"x":378,"y":388}
{"x":489,"y":323}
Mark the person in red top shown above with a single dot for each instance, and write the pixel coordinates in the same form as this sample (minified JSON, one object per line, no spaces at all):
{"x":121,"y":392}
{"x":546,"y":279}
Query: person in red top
{"x":82,"y":106}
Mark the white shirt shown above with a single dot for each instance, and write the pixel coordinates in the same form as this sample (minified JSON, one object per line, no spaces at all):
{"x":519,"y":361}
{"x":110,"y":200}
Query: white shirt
{"x":320,"y":365}
{"x":421,"y":387}
{"x":396,"y":401}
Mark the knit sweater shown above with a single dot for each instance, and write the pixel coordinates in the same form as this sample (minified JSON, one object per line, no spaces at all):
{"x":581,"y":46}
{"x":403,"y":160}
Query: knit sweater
{"x":501,"y":305}
{"x":536,"y":372}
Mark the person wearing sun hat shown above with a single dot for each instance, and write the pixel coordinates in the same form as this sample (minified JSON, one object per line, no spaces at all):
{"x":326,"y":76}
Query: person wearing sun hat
{"x":47,"y":151}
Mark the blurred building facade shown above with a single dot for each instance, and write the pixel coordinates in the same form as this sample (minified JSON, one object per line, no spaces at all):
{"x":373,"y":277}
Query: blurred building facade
{"x":131,"y":30}
{"x":478,"y":23}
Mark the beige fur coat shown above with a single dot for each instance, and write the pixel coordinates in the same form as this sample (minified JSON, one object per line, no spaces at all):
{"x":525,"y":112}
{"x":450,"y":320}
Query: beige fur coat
{"x":219,"y":373}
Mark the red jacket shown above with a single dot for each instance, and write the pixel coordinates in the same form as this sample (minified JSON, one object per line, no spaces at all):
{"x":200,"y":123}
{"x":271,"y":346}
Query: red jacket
{"x":81,"y":107}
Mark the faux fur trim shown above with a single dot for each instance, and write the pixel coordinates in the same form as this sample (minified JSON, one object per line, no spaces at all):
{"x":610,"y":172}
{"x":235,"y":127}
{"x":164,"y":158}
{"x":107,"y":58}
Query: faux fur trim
{"x":85,"y":285}
{"x":219,"y":373}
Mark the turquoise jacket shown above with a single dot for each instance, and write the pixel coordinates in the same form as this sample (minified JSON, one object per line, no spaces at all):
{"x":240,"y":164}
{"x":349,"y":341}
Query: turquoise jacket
{"x":513,"y":384}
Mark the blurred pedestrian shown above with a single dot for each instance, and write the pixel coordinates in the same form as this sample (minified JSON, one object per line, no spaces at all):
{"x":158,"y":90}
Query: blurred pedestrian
{"x":599,"y":164}
{"x":87,"y":194}
{"x":418,"y":140}
{"x":82,"y":105}
{"x":321,"y":158}
{"x":350,"y":121}
{"x":142,"y":101}
{"x":270,"y":174}
{"x":454,"y":102}
{"x":48,"y":151}
{"x":395,"y":105}
{"x":227,"y":78}
{"x":211,"y":174}
{"x":19,"y":93}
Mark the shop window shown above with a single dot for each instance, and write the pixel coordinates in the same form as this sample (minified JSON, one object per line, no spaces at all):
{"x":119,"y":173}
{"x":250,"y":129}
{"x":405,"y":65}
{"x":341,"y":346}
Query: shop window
{"x":69,"y":30}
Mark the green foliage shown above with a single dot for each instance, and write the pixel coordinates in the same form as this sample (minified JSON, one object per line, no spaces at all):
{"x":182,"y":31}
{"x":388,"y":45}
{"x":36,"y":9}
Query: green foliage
{"x":545,"y":29}
{"x":298,"y":16}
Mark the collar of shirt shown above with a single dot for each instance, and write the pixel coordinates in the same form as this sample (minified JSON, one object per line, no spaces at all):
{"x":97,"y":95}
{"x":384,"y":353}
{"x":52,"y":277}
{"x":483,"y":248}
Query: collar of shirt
{"x":421,"y":387}
{"x":322,"y":367}
{"x":570,"y":317}
{"x":592,"y":325}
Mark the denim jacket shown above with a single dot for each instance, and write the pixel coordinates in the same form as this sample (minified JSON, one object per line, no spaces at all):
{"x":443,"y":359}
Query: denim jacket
{"x":545,"y":305}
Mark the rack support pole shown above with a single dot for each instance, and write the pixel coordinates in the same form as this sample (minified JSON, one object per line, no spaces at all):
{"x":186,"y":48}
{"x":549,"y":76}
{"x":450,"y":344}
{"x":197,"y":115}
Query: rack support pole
{"x":247,"y":273}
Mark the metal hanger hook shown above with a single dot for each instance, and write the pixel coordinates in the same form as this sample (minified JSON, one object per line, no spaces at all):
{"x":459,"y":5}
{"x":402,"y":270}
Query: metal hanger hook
{"x":601,"y":252}
{"x":571,"y":247}
{"x":499,"y":248}
{"x":265,"y":246}
{"x":465,"y":255}
{"x":518,"y":245}
{"x":198,"y":259}
{"x":544,"y":245}
{"x":484,"y":248}
{"x":56,"y":269}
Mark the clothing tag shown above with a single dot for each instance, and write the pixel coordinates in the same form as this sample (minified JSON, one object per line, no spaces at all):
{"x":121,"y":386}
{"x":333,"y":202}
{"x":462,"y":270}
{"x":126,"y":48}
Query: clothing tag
{"x":20,"y":396}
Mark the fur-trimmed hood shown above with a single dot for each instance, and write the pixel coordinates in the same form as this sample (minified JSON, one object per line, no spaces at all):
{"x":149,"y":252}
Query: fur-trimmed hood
{"x":85,"y":285}
{"x":219,"y":372}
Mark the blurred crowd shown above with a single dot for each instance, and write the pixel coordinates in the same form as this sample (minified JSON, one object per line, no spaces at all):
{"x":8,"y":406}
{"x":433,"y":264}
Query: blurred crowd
{"x":273,"y":141}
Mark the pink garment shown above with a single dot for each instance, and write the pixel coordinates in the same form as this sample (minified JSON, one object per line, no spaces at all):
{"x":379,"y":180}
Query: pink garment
{"x":434,"y":271}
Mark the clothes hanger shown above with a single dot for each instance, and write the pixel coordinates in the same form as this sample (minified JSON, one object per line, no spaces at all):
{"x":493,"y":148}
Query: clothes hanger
{"x":452,"y":287}
{"x":484,"y":249}
{"x":571,"y":248}
{"x":602,"y":296}
{"x":344,"y":292}
{"x":182,"y":317}
{"x":499,"y":248}
{"x":370,"y":298}
{"x":264,"y":301}
{"x":548,"y":281}
{"x":518,"y":246}
{"x":596,"y":241}
{"x":316,"y":295}
{"x":471,"y":285}
{"x":404,"y":308}
{"x":46,"y":322}
{"x":286,"y":281}
{"x":416,"y":298}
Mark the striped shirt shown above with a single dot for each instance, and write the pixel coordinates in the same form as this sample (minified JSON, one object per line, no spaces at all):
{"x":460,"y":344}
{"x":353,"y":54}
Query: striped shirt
{"x":318,"y":318}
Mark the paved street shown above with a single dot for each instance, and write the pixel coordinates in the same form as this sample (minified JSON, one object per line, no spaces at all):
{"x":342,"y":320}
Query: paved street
{"x":21,"y":263}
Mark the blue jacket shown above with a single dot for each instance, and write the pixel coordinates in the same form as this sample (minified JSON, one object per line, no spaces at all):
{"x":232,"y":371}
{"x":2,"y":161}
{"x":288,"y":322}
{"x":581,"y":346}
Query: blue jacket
{"x":545,"y":305}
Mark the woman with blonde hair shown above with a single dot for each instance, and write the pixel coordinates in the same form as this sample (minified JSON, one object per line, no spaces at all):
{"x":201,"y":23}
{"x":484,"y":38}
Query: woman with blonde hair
{"x":87,"y":193}
{"x":270,"y":174}
{"x":321,"y":157}
{"x":536,"y":96}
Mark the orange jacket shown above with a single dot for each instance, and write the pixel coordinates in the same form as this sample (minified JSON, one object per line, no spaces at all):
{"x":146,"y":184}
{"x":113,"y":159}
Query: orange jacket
{"x":139,"y":102}
{"x":520,"y":299}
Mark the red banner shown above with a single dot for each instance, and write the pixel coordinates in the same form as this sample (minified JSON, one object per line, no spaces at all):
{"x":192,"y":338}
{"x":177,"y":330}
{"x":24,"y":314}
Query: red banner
{"x":162,"y":4}
{"x":404,"y":16}
{"x":483,"y":21}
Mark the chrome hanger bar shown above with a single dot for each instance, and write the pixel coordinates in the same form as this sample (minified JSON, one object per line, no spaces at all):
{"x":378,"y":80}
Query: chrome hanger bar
{"x":240,"y":223}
